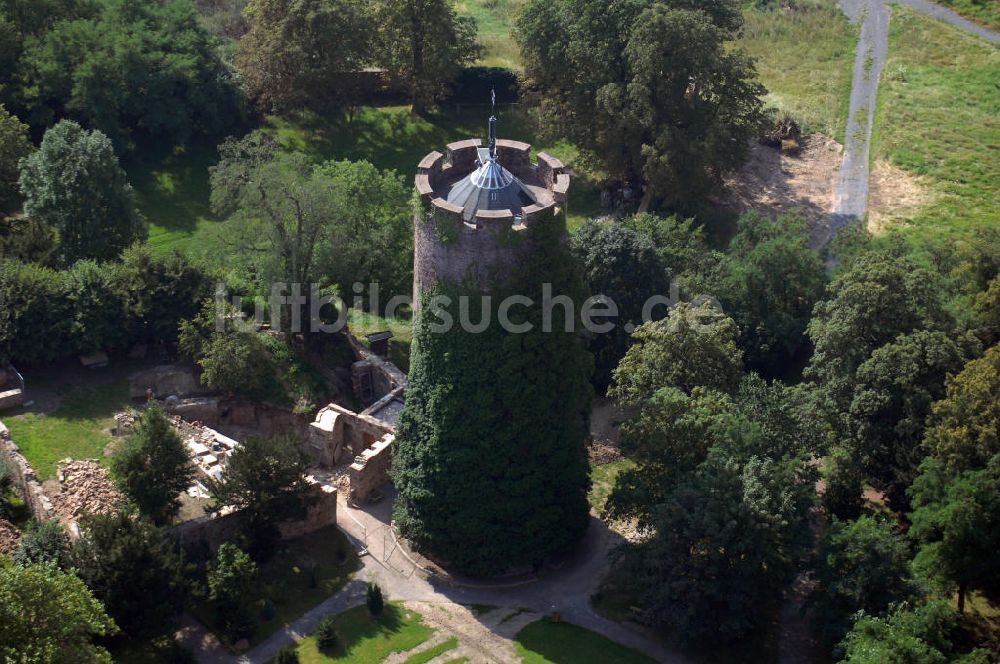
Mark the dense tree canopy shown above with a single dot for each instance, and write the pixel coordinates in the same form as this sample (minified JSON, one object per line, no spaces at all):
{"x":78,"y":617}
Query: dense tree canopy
{"x":265,"y":480}
{"x":623,"y":265}
{"x":864,"y":565}
{"x":964,"y":428}
{"x":328,"y":224}
{"x":154,"y":466}
{"x":653,"y":90}
{"x":14,"y":146}
{"x":769,"y":283}
{"x":75,"y":185}
{"x":893,"y":393}
{"x":956,"y":519}
{"x":133,"y":67}
{"x":691,"y":347}
{"x":48,"y":616}
{"x":303,"y":53}
{"x":423,"y":44}
{"x":133,"y":568}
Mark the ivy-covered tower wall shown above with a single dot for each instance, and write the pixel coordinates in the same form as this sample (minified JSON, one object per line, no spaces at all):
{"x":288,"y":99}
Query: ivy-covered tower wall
{"x":486,"y":248}
{"x":489,"y":461}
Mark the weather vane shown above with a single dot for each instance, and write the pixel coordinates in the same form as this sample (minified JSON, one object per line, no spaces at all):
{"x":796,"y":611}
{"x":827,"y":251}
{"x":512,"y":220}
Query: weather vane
{"x":493,"y":123}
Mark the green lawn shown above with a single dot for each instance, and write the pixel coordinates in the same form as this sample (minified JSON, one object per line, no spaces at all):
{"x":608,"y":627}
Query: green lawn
{"x":985,"y":12}
{"x":173,"y":192}
{"x":561,"y":643}
{"x":602,"y":481}
{"x":367,"y":640}
{"x":938,"y":116}
{"x":173,"y":188}
{"x":804,"y":57}
{"x":494,"y":20}
{"x":361,"y":323}
{"x":300,"y":575}
{"x":425,"y":656}
{"x":79,"y":428}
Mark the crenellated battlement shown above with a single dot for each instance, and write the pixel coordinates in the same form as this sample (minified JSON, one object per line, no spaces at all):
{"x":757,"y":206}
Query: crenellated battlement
{"x":480,"y":240}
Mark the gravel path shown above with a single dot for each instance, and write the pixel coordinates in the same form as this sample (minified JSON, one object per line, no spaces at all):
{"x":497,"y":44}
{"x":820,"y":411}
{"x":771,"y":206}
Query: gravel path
{"x":851,"y":197}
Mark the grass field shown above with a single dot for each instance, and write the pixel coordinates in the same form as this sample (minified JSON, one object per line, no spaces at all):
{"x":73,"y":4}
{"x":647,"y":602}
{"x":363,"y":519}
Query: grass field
{"x":173,"y":188}
{"x":938,"y":116}
{"x":984,"y":12}
{"x":804,"y":57}
{"x":602,"y":481}
{"x":494,"y":19}
{"x":300,"y":575}
{"x":545,"y":641}
{"x":367,"y":640}
{"x":79,"y":428}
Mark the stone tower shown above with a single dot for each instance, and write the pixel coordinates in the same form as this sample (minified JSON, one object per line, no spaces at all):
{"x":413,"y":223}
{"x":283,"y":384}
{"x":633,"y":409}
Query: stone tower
{"x":471,"y":200}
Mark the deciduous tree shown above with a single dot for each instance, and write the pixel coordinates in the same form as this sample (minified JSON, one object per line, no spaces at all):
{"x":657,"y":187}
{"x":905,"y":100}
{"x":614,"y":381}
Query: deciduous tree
{"x":654,"y":91}
{"x":14,"y":146}
{"x":74,"y":184}
{"x":296,"y":53}
{"x":49,"y":616}
{"x":423,"y":44}
{"x":265,"y":480}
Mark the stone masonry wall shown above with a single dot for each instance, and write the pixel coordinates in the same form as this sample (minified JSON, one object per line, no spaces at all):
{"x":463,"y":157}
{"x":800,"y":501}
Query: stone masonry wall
{"x":370,"y":469}
{"x":25,"y":481}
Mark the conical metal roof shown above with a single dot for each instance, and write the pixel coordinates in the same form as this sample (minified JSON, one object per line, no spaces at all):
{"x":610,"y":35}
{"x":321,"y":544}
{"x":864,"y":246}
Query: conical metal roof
{"x":489,"y":187}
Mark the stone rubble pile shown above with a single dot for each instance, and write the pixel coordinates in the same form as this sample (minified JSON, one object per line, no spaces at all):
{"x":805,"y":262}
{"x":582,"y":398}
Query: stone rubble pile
{"x":9,"y":537}
{"x":601,"y":453}
{"x":84,"y":488}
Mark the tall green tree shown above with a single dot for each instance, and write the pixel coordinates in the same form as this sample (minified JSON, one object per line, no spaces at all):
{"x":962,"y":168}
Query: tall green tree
{"x":624,"y":266}
{"x":301,"y":53}
{"x":864,"y":565}
{"x":956,"y":519}
{"x":893,"y":393}
{"x":922,"y":634}
{"x":728,"y":540}
{"x":265,"y":481}
{"x":14,"y":146}
{"x":74,"y":184}
{"x":963,"y":431}
{"x":302,"y":223}
{"x":423,"y":44}
{"x":153,"y":467}
{"x":49,"y":616}
{"x":655,"y":91}
{"x":691,"y":347}
{"x":133,"y":567}
{"x":769,"y":283}
{"x":133,"y":69}
{"x":232,"y":582}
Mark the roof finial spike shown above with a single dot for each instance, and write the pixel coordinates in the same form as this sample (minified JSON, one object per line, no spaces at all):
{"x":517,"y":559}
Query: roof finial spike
{"x":493,"y":124}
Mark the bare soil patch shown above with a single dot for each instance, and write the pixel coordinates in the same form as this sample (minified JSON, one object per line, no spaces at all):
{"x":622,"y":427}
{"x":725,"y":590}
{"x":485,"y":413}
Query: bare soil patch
{"x":772,"y":182}
{"x":893,"y":196}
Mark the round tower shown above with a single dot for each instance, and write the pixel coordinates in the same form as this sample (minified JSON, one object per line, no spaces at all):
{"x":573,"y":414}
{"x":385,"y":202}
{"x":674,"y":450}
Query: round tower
{"x":475,"y":204}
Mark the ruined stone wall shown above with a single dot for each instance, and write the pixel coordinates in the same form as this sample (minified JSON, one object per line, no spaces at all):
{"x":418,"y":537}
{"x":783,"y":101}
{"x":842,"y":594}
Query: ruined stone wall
{"x":370,"y":469}
{"x":166,"y":380}
{"x":218,"y":413}
{"x":204,"y":535}
{"x":23,"y":477}
{"x":339,"y":433}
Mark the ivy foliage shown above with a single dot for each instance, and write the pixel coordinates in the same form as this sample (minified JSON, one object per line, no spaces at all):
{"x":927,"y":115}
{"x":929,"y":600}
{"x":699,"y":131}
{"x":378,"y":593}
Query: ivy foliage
{"x":490,"y":465}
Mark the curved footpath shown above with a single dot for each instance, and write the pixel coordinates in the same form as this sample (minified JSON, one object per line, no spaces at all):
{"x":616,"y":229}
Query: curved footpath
{"x":566,"y":590}
{"x":851,"y":195}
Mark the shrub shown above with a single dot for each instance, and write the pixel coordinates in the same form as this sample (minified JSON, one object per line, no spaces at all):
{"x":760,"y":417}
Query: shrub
{"x":287,"y":655}
{"x":374,"y":599}
{"x":326,"y":634}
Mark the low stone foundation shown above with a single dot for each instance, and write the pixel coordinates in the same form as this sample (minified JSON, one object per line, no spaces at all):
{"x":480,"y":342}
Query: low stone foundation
{"x":23,"y":478}
{"x":206,"y":534}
